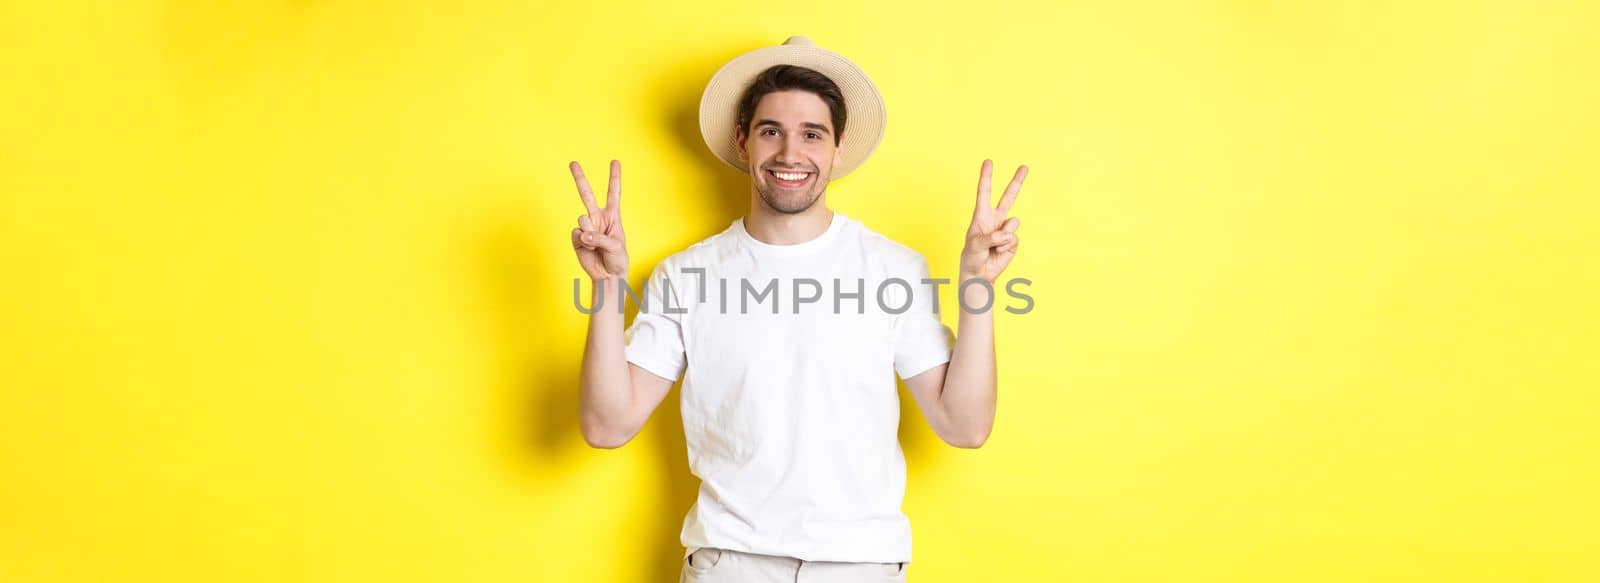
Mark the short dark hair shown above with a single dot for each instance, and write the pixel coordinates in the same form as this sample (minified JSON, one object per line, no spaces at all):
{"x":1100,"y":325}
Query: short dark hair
{"x":792,"y":77}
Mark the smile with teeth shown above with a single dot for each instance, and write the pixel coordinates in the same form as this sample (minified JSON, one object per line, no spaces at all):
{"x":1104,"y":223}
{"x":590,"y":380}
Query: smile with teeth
{"x":790,"y":178}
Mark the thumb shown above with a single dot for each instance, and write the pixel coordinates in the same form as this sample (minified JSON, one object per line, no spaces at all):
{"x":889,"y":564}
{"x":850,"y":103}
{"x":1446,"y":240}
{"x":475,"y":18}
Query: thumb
{"x":601,"y":241}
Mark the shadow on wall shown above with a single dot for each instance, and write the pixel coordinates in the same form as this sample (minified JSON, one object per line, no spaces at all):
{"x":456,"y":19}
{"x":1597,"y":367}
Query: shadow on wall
{"x":533,"y":393}
{"x":537,"y":404}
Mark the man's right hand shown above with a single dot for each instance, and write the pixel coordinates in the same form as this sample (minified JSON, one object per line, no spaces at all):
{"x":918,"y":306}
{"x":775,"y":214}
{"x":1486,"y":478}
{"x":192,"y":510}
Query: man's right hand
{"x":598,"y":239}
{"x":616,"y":397}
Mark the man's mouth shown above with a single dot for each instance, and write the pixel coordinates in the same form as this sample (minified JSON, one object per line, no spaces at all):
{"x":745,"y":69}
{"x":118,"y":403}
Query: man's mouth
{"x":787,"y":179}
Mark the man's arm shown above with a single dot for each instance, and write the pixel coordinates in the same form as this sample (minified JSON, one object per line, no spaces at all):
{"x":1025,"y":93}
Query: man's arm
{"x":615,"y":397}
{"x":958,"y":398}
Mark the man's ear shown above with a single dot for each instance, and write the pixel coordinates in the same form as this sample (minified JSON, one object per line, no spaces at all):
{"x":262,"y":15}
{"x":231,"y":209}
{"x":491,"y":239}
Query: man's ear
{"x":738,"y":142}
{"x":838,"y":152}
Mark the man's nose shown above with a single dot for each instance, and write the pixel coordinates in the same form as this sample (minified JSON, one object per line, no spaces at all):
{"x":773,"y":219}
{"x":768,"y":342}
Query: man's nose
{"x":788,"y":151}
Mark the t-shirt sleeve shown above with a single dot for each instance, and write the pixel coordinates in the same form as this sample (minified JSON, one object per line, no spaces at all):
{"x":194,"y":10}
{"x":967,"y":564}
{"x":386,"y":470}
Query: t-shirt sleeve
{"x":654,"y":341}
{"x":922,"y":341}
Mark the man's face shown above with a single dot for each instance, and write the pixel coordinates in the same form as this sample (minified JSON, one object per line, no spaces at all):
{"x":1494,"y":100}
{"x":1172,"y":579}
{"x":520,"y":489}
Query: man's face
{"x":790,"y":151}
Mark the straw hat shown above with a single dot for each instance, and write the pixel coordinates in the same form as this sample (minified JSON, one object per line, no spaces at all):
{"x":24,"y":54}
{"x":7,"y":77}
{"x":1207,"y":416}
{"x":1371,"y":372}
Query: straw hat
{"x":719,"y":106}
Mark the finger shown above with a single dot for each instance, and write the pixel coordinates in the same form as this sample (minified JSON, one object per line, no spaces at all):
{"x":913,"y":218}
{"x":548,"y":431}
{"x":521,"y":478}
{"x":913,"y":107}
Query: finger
{"x":983,"y":184}
{"x":614,"y":186}
{"x":1000,"y":238}
{"x":583,"y":188}
{"x":1003,"y":261}
{"x":585,"y":224}
{"x":1011,"y":225}
{"x":1012,"y":190}
{"x":1010,"y":247}
{"x":577,"y":240}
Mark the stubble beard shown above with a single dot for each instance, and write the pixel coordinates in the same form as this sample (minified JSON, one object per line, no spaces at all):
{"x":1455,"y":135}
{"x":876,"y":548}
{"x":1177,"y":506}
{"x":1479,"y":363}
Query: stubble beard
{"x":788,"y":203}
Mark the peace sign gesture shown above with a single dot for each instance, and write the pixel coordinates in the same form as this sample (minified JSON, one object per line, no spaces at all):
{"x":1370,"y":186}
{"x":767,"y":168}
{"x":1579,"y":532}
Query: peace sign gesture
{"x":992,"y":238}
{"x":598,"y":240}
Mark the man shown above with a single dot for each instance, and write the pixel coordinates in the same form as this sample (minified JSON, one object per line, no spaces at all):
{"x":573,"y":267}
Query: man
{"x":790,"y":409}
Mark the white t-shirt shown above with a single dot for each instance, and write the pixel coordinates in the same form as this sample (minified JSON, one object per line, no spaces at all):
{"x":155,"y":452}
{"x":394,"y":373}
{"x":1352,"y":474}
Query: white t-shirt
{"x":791,"y":418}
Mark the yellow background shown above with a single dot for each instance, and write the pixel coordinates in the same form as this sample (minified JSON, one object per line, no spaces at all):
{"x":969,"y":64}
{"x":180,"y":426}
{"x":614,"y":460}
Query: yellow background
{"x":287,"y":285}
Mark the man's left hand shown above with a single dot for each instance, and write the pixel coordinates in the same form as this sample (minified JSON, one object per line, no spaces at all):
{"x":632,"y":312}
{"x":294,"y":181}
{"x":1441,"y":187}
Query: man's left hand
{"x":992,"y":237}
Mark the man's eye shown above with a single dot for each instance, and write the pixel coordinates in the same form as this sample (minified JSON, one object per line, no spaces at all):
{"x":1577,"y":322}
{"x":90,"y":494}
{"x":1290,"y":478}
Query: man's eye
{"x":769,"y":132}
{"x":813,"y":135}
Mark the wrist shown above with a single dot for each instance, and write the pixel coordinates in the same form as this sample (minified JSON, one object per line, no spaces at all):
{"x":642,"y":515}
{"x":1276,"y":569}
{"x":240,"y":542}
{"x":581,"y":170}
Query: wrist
{"x":606,"y":284}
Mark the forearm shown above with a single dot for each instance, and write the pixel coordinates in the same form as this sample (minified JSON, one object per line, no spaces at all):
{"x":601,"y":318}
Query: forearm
{"x":606,"y":392}
{"x":969,"y":391}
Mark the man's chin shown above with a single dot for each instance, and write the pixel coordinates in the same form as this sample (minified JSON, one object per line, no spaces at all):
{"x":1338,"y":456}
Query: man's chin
{"x":791,"y":204}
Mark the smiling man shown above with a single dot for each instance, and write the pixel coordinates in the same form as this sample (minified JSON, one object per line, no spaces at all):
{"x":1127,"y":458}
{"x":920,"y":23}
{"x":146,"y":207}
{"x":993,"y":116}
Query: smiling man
{"x":791,"y":179}
{"x":790,"y":408}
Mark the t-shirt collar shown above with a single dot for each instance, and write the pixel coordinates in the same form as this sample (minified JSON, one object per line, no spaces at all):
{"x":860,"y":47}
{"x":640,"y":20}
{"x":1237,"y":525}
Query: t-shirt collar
{"x":804,"y":248}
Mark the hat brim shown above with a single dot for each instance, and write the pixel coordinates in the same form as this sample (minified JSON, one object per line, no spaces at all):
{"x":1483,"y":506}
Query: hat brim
{"x":719,"y":106}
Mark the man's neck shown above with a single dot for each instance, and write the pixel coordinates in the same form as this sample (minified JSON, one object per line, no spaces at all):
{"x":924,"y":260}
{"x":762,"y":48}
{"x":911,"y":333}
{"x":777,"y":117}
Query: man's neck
{"x":775,"y":228}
